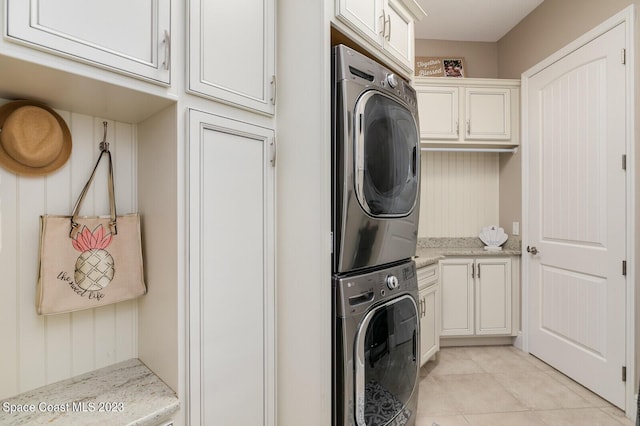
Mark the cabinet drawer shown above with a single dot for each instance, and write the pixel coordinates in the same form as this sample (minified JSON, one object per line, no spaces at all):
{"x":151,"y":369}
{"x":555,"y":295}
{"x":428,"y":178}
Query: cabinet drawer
{"x":427,"y":275}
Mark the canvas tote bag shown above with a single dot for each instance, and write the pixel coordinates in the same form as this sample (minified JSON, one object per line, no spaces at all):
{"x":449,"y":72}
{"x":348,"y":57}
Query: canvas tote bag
{"x":87,"y":262}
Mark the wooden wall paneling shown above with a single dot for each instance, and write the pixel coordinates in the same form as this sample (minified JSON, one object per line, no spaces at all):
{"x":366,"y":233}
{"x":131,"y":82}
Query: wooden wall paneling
{"x":125,"y":159}
{"x":31,"y":335}
{"x":460,"y":193}
{"x":58,"y":200}
{"x":82,"y":159}
{"x":8,"y":283}
{"x":51,"y":348}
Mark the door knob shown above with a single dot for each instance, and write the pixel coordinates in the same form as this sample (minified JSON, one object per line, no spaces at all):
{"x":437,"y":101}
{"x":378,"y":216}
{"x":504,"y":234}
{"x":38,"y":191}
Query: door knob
{"x":533,"y":250}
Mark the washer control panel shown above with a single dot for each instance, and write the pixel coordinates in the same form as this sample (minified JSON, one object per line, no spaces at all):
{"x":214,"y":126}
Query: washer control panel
{"x":356,"y":293}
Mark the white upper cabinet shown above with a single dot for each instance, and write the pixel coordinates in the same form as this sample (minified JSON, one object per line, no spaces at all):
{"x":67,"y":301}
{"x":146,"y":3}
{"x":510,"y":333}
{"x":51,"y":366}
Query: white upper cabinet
{"x":487,"y":113}
{"x":131,"y":37}
{"x":398,"y":35}
{"x":232,"y":52}
{"x":468,"y":112}
{"x":386,"y":25}
{"x":438,"y":112}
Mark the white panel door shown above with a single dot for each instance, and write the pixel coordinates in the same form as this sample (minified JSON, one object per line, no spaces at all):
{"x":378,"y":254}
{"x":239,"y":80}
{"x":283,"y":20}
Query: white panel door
{"x":232,"y":52}
{"x":488,"y":113}
{"x":577,"y":215}
{"x":493,"y":296}
{"x":438,"y":112}
{"x":456,"y":278}
{"x":128,"y":36}
{"x":232,"y":273}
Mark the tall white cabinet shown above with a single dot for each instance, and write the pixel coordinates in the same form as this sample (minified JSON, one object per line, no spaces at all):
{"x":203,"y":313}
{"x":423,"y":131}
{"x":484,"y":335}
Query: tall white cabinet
{"x":232,"y":275}
{"x":232,"y":158}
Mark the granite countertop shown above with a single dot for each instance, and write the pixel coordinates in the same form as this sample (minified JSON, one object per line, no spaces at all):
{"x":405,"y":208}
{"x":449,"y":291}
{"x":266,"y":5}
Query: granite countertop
{"x":127,"y":393}
{"x":431,"y":250}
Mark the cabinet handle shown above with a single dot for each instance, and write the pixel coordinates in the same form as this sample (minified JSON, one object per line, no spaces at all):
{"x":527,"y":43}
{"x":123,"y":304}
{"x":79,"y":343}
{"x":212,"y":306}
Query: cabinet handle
{"x":473,"y":270}
{"x":167,"y":50}
{"x":457,"y":128}
{"x":388,"y":37}
{"x":274,"y":89}
{"x":478,"y":271}
{"x":383,"y":24}
{"x":468,"y":127}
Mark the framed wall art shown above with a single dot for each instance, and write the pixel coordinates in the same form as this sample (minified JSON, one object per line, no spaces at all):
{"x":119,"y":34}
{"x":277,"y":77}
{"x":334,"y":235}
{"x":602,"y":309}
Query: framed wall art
{"x":434,"y":66}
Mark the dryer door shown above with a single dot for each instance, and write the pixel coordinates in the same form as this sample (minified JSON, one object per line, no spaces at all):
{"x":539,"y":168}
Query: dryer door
{"x":386,"y":156}
{"x":386,"y":363}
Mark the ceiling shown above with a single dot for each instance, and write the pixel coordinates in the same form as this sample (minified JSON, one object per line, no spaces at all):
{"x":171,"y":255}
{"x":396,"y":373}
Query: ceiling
{"x":471,"y":20}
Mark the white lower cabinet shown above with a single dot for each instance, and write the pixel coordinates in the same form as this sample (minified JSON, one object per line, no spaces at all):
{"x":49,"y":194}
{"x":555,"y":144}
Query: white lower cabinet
{"x":232,"y":348}
{"x":429,"y":305}
{"x":476,"y":296}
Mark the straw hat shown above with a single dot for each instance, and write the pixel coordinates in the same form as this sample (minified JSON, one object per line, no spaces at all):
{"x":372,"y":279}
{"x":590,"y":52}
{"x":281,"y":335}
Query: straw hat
{"x":34,"y":139}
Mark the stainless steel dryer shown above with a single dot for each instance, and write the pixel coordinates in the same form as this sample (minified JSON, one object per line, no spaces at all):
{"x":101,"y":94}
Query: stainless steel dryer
{"x":376,"y":344}
{"x":376,"y":164}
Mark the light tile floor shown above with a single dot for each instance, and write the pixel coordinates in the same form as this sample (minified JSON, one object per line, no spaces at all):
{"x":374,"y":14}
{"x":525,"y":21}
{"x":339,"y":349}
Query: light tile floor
{"x":501,"y":385}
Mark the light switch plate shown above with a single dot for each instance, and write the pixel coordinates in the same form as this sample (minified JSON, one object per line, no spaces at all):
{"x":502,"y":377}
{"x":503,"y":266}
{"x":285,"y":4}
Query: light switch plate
{"x":516,"y":228}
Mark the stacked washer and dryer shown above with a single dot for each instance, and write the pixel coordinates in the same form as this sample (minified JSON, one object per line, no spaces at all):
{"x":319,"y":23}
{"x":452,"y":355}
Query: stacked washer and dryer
{"x":375,"y":209}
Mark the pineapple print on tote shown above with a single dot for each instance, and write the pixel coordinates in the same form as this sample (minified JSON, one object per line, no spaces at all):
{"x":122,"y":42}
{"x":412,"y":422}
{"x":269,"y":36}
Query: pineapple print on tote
{"x":95,"y":267}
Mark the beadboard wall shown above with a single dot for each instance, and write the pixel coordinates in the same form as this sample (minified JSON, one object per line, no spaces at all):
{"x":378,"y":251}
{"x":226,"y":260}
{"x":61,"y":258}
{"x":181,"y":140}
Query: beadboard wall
{"x":459,"y":195}
{"x":38,"y":350}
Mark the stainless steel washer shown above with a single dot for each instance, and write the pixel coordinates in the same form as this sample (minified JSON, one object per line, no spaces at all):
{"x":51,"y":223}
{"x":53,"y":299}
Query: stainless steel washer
{"x":376,"y":347}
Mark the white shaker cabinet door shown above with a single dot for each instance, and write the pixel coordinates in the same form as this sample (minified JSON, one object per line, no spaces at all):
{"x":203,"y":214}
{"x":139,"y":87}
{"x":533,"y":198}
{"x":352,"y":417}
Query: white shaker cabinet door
{"x":398,"y":38}
{"x":429,"y":323}
{"x":364,"y":16}
{"x":438,"y":112}
{"x":232,"y":301}
{"x":232,"y":52}
{"x":132,"y":37}
{"x":493,"y":296}
{"x":488,"y":113}
{"x":456,"y":278}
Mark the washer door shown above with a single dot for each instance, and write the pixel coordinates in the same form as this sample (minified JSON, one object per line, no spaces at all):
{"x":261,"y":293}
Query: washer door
{"x":386,"y":156}
{"x":386,"y":362}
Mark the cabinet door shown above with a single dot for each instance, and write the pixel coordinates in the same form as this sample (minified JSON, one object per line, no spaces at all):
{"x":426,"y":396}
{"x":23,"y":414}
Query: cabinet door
{"x":488,"y":113}
{"x":457,"y":297}
{"x":231,"y":272}
{"x":429,"y":326}
{"x":123,"y":35}
{"x":438,"y":113}
{"x":398,"y":37}
{"x":232,"y":52}
{"x":363,"y":16}
{"x":493,"y":296}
